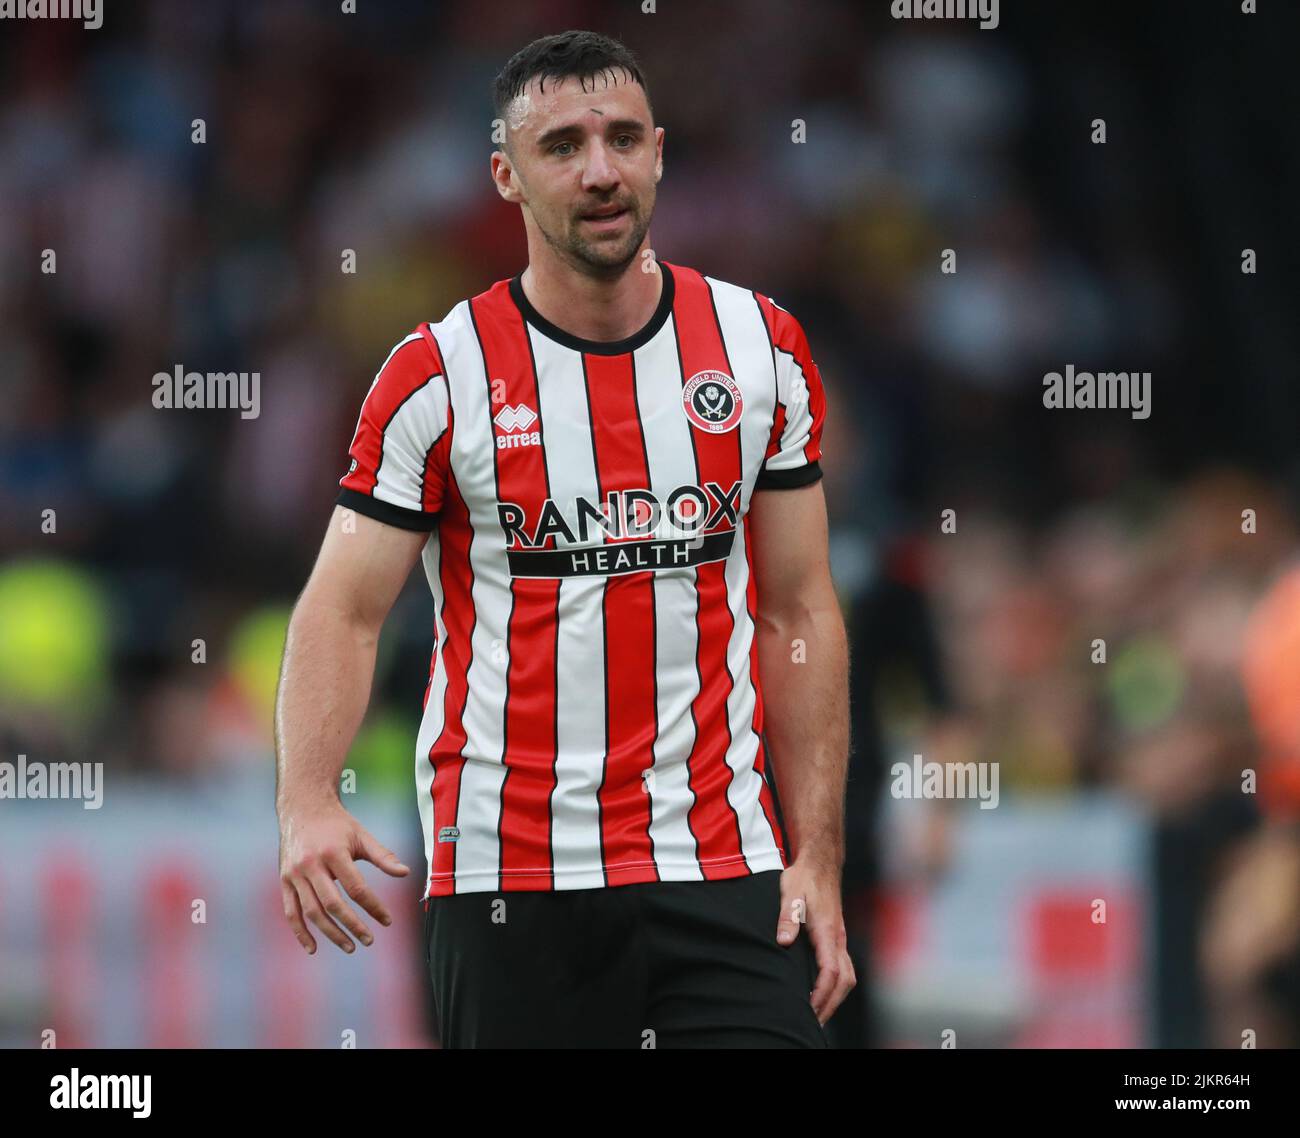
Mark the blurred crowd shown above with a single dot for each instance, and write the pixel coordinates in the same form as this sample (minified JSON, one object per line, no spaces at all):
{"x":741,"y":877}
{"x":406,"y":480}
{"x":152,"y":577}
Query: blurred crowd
{"x":1152,"y":646}
{"x":199,"y":171}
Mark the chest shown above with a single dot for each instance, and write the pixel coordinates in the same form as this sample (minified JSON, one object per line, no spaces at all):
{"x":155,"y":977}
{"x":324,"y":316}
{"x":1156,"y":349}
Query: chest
{"x":557,"y":438}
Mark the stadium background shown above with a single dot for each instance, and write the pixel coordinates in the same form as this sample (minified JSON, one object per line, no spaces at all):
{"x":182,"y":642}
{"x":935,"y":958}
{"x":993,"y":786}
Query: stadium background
{"x":1118,"y":781}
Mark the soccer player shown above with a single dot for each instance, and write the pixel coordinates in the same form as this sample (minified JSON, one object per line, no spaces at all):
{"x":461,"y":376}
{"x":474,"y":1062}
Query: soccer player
{"x":609,"y":465}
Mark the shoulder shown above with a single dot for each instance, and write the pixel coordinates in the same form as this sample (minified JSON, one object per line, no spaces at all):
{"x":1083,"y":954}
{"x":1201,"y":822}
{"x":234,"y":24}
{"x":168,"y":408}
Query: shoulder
{"x":731,"y":296}
{"x":688,"y":277}
{"x":773,"y":310}
{"x":442,"y":337}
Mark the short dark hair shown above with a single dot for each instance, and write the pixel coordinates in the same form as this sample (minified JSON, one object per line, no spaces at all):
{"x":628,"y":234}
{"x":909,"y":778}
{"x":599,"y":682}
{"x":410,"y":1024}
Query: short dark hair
{"x":583,"y":55}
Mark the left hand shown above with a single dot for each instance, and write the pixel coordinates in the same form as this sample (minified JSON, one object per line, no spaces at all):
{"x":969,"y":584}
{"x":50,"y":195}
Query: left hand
{"x":810,"y":896}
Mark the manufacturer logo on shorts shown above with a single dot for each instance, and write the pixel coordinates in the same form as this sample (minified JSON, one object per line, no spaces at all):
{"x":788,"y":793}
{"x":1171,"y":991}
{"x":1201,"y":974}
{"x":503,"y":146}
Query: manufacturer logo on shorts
{"x":449,"y":834}
{"x":712,"y":401}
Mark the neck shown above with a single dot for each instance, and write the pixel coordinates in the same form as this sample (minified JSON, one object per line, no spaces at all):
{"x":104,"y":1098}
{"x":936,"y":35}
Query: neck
{"x":590,"y":307}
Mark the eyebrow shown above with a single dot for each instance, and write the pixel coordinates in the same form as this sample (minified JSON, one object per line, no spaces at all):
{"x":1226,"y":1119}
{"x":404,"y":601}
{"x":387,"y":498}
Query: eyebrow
{"x":568,"y":130}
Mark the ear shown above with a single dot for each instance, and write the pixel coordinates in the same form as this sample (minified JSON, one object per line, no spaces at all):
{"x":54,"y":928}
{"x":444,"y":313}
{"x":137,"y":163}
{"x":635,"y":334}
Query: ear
{"x":503,"y":177}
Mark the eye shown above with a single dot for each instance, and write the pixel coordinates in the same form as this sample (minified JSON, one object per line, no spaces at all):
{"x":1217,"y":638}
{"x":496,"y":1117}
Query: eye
{"x":631,"y":141}
{"x":556,"y":148}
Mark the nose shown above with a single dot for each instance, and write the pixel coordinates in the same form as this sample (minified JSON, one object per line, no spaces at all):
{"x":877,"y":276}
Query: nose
{"x":599,"y":174}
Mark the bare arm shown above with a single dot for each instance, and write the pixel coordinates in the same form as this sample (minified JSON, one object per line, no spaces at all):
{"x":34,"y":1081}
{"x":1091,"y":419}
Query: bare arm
{"x":325,"y":679}
{"x":803,"y":663}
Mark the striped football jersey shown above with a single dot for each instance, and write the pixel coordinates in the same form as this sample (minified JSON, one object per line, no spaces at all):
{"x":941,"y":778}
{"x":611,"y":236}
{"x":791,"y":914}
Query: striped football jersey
{"x":593,"y":714}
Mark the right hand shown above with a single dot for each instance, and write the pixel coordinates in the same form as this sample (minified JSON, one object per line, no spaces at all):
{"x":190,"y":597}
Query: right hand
{"x":317,"y":845}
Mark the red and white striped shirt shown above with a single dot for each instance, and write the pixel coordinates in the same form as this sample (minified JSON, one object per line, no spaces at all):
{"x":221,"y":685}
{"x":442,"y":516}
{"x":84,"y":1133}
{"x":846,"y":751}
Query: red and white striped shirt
{"x":593,"y":714}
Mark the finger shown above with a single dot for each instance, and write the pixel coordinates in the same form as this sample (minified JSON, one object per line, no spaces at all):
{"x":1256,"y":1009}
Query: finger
{"x":314,"y":910}
{"x":375,"y":853}
{"x":827,"y":968}
{"x":848,"y":981}
{"x":332,"y":901}
{"x":293,"y":914}
{"x":354,"y":884}
{"x":793,"y":914}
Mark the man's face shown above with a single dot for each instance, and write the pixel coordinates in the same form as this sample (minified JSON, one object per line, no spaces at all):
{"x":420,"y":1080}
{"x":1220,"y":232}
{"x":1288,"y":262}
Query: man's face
{"x":584,"y":164}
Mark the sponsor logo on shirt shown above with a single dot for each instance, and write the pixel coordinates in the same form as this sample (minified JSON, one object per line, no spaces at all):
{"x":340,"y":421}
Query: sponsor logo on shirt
{"x":632,"y":531}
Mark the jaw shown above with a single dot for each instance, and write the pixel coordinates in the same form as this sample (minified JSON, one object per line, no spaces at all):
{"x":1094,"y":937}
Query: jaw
{"x":611,"y":252}
{"x":598,"y":255}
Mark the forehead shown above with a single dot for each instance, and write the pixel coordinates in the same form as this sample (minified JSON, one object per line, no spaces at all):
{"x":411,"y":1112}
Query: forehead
{"x":548,"y":101}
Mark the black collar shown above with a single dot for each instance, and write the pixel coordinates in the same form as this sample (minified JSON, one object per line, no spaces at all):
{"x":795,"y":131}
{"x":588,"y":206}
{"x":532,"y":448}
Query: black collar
{"x":598,"y":347}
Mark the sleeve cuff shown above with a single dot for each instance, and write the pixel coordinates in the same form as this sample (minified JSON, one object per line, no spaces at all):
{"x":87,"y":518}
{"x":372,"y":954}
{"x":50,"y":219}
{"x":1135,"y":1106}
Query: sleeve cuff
{"x":386,"y":512}
{"x":790,"y":479}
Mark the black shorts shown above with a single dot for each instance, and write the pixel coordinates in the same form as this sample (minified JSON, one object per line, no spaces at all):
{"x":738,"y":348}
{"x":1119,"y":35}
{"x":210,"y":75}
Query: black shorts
{"x":660,"y":964}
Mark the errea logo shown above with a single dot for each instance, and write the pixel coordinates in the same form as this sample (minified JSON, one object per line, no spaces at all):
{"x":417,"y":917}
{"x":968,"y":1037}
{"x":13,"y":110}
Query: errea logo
{"x":515,"y":420}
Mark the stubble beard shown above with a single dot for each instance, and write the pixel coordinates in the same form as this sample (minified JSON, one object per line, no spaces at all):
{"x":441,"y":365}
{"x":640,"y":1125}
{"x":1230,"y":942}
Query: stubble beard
{"x":601,"y":258}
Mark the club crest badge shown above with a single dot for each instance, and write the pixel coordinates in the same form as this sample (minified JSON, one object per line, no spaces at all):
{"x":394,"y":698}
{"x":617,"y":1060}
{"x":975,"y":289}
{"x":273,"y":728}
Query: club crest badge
{"x":712,"y":401}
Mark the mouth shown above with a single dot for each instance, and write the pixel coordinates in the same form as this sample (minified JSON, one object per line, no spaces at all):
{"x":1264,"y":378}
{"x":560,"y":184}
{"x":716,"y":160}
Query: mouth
{"x":605,"y":217}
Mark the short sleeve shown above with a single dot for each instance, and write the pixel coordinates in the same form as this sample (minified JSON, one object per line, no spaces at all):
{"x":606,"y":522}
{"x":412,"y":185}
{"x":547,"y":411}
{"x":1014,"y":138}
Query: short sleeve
{"x":795,"y":446}
{"x":399,"y":453}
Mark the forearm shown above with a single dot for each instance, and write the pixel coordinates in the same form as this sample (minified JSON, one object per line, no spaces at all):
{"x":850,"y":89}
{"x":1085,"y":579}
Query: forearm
{"x":803,"y":662}
{"x":329,"y":664}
